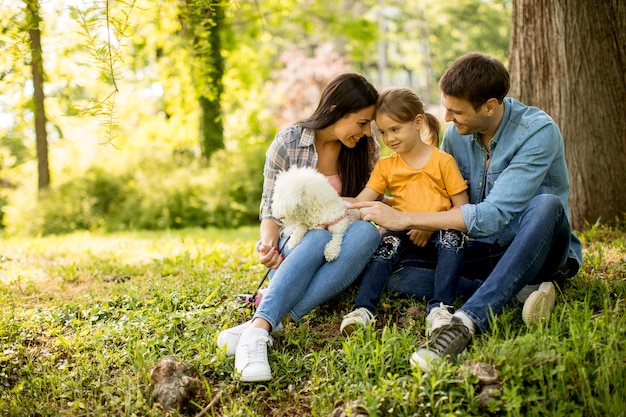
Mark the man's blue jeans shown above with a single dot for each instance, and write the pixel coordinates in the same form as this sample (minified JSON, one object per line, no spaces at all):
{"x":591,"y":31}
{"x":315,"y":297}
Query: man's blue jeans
{"x":393,"y":245}
{"x":305,"y":280}
{"x":492,"y":273}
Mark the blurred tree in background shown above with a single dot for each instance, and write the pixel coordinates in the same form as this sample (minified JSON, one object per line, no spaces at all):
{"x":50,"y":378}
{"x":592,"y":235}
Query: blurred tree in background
{"x":203,"y":23}
{"x":159,"y":112}
{"x":33,"y":21}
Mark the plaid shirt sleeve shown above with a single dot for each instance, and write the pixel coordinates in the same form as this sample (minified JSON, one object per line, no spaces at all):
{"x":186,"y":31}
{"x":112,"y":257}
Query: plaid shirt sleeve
{"x":276,"y":160}
{"x":292,"y":146}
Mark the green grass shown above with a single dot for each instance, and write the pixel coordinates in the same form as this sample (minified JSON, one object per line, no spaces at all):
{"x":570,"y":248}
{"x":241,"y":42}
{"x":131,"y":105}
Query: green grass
{"x":74,"y":344}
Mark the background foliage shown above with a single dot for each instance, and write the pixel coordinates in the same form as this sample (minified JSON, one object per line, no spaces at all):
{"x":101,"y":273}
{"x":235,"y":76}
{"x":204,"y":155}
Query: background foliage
{"x":124,"y":130}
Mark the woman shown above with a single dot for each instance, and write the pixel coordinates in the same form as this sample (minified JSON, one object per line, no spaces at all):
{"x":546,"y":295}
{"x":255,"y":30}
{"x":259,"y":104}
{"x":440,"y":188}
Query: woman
{"x":336,"y":140}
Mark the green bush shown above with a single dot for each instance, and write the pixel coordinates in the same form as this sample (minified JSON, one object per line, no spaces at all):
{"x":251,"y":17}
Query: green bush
{"x":160,"y":201}
{"x":65,"y":209}
{"x":234,"y":199}
{"x":107,"y":191}
{"x":81,"y":203}
{"x":152,"y":195}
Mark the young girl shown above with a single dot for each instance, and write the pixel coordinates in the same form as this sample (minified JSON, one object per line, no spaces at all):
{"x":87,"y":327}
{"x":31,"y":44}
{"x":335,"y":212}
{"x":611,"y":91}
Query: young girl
{"x":336,"y":140}
{"x":419,"y":177}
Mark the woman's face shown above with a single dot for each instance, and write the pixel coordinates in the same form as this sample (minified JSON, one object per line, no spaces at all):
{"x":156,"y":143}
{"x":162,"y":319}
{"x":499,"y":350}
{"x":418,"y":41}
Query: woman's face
{"x":353,"y":126}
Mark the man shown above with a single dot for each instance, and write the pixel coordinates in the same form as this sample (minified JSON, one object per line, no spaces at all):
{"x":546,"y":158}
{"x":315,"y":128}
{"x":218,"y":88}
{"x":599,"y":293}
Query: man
{"x":520,"y":242}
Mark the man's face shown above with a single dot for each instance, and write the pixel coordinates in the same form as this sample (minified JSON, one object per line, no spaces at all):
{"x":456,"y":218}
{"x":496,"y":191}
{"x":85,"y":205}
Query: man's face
{"x":467,"y":120}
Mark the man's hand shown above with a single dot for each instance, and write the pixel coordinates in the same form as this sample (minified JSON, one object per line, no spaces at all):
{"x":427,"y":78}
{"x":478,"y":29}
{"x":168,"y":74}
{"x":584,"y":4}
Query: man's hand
{"x":381,"y":214}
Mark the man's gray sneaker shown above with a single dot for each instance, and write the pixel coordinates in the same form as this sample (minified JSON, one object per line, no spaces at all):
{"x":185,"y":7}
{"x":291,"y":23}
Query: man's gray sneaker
{"x":447,"y":342}
{"x":539,"y":303}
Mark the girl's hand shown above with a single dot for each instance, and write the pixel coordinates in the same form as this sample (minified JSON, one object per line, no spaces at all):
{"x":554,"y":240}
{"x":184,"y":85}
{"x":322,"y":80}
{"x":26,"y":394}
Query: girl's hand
{"x":269,"y":256}
{"x":419,"y":237}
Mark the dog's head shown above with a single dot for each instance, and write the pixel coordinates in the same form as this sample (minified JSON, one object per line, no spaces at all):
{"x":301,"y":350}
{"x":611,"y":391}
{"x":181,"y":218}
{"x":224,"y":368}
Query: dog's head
{"x":299,"y":193}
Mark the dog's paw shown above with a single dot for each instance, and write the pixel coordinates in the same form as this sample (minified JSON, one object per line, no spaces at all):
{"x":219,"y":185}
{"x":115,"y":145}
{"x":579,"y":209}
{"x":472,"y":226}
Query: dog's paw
{"x":293,"y":241}
{"x":354,"y":215}
{"x":330,"y":256}
{"x":297,"y":236}
{"x":331,"y":252}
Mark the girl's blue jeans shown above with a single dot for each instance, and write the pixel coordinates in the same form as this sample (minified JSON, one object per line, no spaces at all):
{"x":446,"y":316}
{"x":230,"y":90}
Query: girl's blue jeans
{"x":492,"y":273}
{"x":305,"y":280}
{"x":448,"y":245}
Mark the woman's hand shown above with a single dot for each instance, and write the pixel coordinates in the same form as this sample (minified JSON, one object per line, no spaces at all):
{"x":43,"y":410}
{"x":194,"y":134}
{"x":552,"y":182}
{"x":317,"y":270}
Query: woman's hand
{"x":268,"y":244}
{"x":419,"y":237}
{"x":269,"y":256}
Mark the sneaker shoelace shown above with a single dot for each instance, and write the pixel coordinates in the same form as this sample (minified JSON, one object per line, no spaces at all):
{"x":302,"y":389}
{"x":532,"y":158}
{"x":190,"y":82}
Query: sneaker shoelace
{"x":440,"y":314}
{"x":361,"y":313}
{"x":451,"y":339}
{"x":257,"y":351}
{"x":365,"y":314}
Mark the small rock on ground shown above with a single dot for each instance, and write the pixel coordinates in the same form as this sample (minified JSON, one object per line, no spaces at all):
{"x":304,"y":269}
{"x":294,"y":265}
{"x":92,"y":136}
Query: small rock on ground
{"x":175,"y":384}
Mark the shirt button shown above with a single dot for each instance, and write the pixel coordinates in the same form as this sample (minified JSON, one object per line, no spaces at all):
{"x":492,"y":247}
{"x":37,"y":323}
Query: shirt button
{"x":480,"y":184}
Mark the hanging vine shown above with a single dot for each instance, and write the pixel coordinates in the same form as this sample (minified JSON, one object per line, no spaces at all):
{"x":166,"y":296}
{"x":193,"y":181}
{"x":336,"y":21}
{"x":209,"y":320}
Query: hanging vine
{"x":104,"y":27}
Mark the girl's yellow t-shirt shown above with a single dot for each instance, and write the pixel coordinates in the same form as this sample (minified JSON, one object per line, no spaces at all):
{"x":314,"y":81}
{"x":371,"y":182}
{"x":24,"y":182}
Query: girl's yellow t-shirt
{"x":424,"y":189}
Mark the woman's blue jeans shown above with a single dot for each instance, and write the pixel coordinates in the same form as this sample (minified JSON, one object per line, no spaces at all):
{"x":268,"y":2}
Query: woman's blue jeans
{"x":305,"y":280}
{"x":492,"y":273}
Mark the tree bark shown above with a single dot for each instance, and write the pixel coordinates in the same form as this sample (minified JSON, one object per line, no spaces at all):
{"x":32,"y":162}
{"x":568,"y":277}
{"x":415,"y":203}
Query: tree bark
{"x":568,"y":57}
{"x":212,"y":122}
{"x":206,"y":20}
{"x":32,"y":9}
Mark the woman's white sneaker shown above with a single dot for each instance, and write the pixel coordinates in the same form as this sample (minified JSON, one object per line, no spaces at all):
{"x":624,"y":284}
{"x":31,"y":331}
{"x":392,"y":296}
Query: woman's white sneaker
{"x":230,"y":337}
{"x":251,"y":356}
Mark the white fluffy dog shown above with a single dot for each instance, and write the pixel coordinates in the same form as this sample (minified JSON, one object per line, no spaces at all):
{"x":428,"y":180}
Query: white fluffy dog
{"x":303,"y":198}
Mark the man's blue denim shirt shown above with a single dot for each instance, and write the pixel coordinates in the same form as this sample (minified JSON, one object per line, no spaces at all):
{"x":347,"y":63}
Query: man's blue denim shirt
{"x":527,"y":159}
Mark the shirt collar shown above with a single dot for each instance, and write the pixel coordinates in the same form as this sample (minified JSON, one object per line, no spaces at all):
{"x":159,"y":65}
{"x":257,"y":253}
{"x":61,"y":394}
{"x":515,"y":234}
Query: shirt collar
{"x":307,"y":138}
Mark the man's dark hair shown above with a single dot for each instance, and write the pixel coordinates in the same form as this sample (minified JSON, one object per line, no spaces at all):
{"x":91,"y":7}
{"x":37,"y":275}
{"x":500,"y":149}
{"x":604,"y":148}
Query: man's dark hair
{"x":476,"y":78}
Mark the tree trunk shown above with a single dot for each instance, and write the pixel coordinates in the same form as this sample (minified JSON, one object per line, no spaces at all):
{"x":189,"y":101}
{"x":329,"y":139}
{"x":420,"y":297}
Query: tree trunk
{"x":568,"y":57}
{"x":212,"y":123}
{"x":32,"y":8}
{"x":205,"y":21}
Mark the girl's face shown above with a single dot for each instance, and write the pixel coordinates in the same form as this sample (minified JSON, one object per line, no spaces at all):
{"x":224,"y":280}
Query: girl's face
{"x":400,"y":137}
{"x":353,"y":126}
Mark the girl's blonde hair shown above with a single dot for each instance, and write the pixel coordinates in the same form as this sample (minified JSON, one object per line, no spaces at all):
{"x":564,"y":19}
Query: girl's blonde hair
{"x":402,"y":105}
